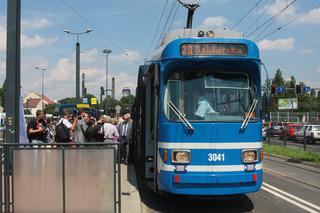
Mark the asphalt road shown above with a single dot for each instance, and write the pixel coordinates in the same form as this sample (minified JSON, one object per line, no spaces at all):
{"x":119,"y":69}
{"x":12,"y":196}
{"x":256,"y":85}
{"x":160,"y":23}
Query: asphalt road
{"x":298,"y":145}
{"x":287,"y":187}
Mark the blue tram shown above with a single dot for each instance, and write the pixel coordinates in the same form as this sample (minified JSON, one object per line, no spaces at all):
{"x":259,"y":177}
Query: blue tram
{"x":197,"y":115}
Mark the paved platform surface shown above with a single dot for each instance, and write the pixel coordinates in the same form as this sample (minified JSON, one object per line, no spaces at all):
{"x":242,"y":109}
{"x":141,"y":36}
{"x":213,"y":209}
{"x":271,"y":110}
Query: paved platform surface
{"x":130,"y":198}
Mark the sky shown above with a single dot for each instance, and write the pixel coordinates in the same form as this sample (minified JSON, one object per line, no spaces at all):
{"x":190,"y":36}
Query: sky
{"x":128,"y":28}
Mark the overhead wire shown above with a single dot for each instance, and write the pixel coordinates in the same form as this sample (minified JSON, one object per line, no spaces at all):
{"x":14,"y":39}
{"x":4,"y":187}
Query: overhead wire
{"x":174,"y":16}
{"x":167,"y":20}
{"x":285,"y":25}
{"x":267,"y":27}
{"x":272,"y":18}
{"x":96,"y":28}
{"x":158,"y":25}
{"x":245,"y":15}
{"x":260,"y":16}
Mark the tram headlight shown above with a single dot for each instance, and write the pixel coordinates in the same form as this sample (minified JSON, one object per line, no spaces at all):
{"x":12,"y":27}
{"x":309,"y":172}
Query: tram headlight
{"x":249,"y":156}
{"x":181,"y":156}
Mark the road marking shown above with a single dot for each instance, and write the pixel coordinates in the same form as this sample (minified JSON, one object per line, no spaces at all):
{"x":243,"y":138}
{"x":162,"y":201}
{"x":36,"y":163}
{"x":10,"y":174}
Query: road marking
{"x":275,"y":191}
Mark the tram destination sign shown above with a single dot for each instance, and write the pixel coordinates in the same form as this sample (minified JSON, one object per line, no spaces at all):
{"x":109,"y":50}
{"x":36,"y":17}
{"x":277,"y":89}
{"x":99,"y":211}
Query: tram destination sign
{"x":207,"y":49}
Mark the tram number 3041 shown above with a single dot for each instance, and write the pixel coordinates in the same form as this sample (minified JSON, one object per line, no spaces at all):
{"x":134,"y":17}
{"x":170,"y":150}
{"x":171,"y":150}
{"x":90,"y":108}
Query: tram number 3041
{"x":215,"y":157}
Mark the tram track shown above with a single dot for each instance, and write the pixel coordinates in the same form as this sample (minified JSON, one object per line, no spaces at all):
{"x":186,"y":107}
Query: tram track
{"x":292,"y":165}
{"x":294,"y":179}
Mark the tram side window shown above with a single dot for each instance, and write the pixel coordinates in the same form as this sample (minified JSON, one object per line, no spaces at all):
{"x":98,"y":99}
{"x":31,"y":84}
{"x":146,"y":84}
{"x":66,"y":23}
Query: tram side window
{"x":173,"y":93}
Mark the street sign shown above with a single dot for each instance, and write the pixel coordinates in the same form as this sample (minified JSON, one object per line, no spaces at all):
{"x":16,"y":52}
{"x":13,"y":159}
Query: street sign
{"x":93,"y":101}
{"x":280,"y":89}
{"x":83,"y":106}
{"x":85,"y":100}
{"x":306,"y":89}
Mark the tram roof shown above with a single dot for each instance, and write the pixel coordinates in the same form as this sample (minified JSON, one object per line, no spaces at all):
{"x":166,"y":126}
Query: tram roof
{"x":170,"y":45}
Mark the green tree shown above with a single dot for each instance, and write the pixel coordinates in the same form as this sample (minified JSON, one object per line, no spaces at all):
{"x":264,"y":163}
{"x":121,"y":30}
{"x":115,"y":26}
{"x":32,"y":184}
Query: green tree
{"x":2,"y":94}
{"x":112,"y":103}
{"x":290,"y":88}
{"x":51,"y":109}
{"x":279,"y":81}
{"x":126,"y":102}
{"x":67,"y":100}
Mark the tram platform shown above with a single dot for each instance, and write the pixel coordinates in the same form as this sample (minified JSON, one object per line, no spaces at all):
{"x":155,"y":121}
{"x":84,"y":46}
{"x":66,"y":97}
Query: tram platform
{"x":130,"y":197}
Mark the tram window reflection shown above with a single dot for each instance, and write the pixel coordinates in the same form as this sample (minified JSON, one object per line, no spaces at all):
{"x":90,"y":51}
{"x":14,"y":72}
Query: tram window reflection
{"x":208,"y":95}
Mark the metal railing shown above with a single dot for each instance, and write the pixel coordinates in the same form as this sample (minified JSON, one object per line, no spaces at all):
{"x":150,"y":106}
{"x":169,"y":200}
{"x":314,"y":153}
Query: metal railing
{"x":60,"y":177}
{"x":294,"y":117}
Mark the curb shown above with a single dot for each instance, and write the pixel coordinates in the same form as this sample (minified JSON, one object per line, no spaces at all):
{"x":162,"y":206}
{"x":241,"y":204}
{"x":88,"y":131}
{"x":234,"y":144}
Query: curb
{"x":306,"y":163}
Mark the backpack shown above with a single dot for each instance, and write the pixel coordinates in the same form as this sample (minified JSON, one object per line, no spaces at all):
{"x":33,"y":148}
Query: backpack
{"x":62,"y":133}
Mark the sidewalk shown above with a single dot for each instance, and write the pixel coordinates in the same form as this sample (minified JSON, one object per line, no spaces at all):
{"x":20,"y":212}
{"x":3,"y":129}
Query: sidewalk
{"x":130,"y":197}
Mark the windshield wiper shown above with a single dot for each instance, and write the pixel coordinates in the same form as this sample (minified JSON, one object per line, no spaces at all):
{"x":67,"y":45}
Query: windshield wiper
{"x":249,"y":115}
{"x":181,"y":116}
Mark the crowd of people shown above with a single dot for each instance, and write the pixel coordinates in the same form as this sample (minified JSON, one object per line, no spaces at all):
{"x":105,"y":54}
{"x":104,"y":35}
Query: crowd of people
{"x":82,"y":129}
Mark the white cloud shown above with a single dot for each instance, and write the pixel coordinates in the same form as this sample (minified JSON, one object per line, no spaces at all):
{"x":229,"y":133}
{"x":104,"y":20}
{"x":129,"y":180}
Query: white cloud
{"x":92,"y":73}
{"x":35,"y":24}
{"x":26,"y":41}
{"x":307,"y":51}
{"x":2,"y":69}
{"x":3,"y":39}
{"x":89,"y":56}
{"x":312,"y":16}
{"x":64,"y":71}
{"x":35,"y":41}
{"x":127,"y":57}
{"x":279,"y":44}
{"x":278,"y":6}
{"x":214,"y":22}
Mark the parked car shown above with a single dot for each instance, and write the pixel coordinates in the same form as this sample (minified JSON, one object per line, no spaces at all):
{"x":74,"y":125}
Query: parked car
{"x":312,"y":133}
{"x":289,"y":131}
{"x":276,"y":128}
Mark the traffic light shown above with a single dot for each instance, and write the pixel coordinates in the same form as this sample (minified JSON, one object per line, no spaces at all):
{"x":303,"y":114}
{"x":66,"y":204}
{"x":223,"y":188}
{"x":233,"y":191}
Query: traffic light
{"x":298,"y":89}
{"x":101,"y":90}
{"x":273,"y":88}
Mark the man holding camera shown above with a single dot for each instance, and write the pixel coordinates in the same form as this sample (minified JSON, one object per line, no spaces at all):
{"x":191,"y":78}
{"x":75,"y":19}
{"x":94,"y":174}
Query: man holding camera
{"x":81,"y":128}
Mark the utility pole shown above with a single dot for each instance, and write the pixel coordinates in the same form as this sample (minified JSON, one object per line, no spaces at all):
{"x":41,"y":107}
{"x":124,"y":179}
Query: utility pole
{"x":113,"y":91}
{"x":12,"y":82}
{"x":78,"y":71}
{"x":42,"y":84}
{"x":77,"y":61}
{"x":309,"y":107}
{"x":12,"y":93}
{"x":107,"y":52}
{"x":83,"y":85}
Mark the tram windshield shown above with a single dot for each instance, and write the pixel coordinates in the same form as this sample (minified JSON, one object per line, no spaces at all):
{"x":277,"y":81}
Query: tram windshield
{"x":211,"y":95}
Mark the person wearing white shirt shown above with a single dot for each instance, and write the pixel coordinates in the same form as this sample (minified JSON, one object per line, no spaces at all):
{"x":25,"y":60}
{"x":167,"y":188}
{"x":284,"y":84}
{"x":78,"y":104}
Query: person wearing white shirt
{"x":110,"y":131}
{"x":203,"y":106}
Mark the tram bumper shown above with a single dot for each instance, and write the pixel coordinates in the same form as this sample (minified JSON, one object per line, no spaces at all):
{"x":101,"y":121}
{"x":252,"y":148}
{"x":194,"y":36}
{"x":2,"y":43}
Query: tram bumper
{"x":228,"y":183}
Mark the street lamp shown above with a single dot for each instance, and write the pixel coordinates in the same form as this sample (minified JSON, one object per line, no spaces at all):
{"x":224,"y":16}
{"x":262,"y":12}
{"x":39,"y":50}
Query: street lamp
{"x":107,"y":52}
{"x":77,"y":60}
{"x":42,"y":70}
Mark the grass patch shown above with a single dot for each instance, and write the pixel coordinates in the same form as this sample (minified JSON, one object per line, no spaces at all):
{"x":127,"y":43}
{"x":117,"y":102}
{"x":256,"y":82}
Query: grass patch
{"x":296,"y":154}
